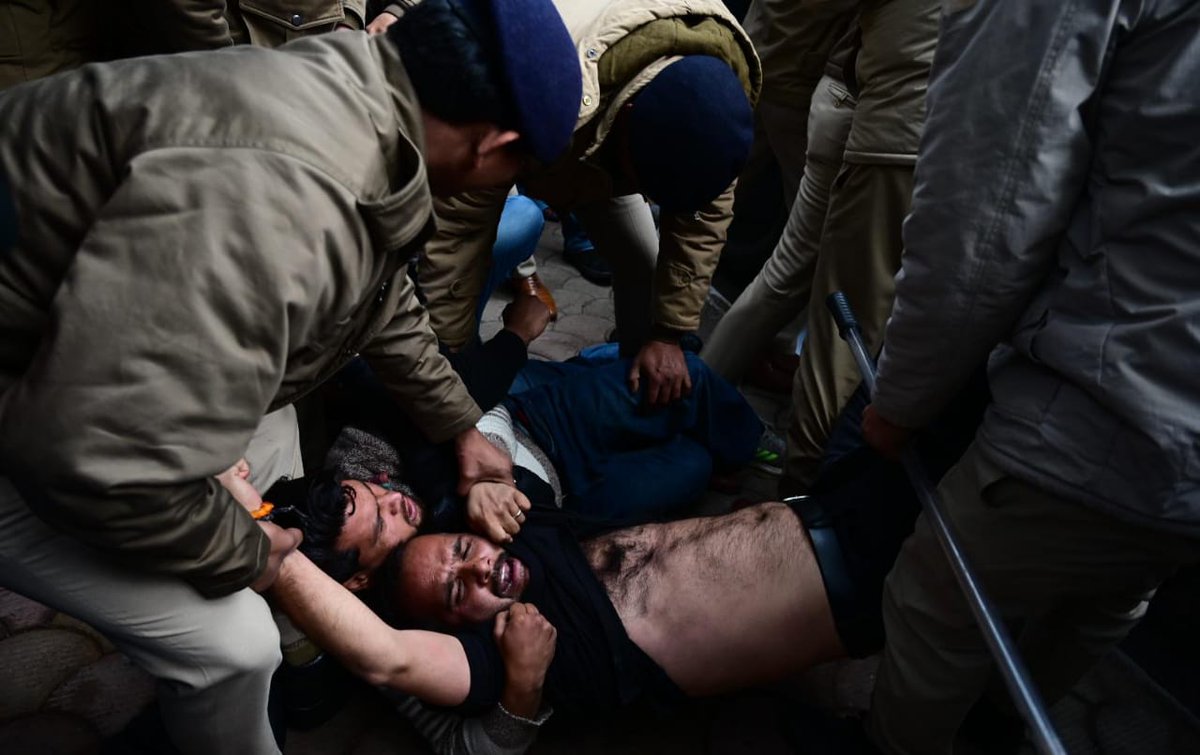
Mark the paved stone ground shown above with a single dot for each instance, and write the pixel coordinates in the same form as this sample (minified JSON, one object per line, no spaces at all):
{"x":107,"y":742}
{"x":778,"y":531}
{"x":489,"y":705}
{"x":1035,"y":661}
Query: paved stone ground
{"x":63,"y":689}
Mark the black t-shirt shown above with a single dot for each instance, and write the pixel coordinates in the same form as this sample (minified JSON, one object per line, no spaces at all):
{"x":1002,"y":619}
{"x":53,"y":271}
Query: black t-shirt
{"x":596,"y":667}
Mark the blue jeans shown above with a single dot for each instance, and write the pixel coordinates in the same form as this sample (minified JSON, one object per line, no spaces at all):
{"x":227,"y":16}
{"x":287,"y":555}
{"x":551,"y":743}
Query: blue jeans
{"x":516,"y":239}
{"x":575,"y":238}
{"x":618,"y":460}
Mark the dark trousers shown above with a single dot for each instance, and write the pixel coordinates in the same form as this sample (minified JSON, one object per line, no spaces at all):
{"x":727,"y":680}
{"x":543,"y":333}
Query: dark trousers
{"x":617,"y":459}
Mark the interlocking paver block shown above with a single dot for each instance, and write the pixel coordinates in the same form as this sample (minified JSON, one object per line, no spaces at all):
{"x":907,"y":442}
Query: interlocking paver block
{"x":35,"y":662}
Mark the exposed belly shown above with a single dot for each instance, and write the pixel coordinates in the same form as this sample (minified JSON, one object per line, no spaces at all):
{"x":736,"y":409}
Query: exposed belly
{"x":720,"y":603}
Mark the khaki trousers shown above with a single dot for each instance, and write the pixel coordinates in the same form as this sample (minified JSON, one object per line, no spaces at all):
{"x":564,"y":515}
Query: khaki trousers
{"x":1078,"y":578}
{"x":860,"y":245}
{"x":454,"y":266}
{"x":859,"y":255}
{"x":213,"y":659}
{"x":781,"y":290}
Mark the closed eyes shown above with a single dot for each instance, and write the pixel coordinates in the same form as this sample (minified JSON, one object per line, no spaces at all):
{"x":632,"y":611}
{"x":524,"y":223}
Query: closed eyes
{"x":457,"y":589}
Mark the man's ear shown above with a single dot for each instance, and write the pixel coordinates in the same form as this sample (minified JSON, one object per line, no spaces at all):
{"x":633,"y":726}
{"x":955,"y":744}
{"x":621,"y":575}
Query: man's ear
{"x":493,"y":140}
{"x":358,"y":582}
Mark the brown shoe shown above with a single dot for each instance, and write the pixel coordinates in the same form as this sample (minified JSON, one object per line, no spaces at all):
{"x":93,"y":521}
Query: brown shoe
{"x":533,"y":286}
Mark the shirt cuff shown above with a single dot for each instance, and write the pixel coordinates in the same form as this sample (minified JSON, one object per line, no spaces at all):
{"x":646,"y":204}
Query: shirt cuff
{"x":667,"y":334}
{"x":512,"y":731}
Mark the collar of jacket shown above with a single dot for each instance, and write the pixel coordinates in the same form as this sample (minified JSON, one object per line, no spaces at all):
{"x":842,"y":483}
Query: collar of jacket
{"x":598,"y":27}
{"x":404,"y":214}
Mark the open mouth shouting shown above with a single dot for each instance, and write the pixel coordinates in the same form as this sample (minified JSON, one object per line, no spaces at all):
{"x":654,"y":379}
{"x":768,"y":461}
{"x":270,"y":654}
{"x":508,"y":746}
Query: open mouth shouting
{"x":509,"y":577}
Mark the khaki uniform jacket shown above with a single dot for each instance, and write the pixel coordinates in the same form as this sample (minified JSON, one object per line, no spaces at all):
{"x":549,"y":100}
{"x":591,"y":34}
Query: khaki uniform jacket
{"x":623,"y":45}
{"x":205,"y":24}
{"x":196,"y":251}
{"x":42,"y":37}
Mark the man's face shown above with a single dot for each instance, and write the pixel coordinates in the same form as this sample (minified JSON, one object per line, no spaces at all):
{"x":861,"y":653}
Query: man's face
{"x":462,"y":157}
{"x":381,"y":520}
{"x":458,"y":579}
{"x":468,"y":173}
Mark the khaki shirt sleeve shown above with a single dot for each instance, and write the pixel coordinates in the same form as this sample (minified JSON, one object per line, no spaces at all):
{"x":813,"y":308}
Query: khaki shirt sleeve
{"x":454,"y":265}
{"x":495,"y":732}
{"x":689,"y":248}
{"x":398,"y":9}
{"x":405,"y":356}
{"x":195,"y":25}
{"x":356,"y":13}
{"x":164,"y":347}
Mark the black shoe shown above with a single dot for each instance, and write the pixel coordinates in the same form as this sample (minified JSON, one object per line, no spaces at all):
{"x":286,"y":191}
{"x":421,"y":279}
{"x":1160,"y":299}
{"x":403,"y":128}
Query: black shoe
{"x":146,"y":734}
{"x":590,"y":265}
{"x":311,"y":693}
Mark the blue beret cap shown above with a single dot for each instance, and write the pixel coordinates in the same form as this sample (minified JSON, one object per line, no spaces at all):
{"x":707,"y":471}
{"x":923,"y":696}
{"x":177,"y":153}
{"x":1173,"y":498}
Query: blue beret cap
{"x":690,"y":131}
{"x":541,"y":72}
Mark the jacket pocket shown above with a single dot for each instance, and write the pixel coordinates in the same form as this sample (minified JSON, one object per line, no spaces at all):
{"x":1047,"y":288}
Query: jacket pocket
{"x":683,"y":285}
{"x":998,"y":492}
{"x":996,"y":487}
{"x":294,"y":15}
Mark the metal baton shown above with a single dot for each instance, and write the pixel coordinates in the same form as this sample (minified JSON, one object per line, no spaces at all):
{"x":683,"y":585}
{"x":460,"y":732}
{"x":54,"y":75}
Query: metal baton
{"x":1012,"y":668}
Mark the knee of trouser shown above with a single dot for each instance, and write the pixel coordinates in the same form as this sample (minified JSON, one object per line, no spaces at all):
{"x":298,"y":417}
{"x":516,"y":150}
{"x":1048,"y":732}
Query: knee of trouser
{"x":244,"y":647}
{"x":259,"y":655}
{"x":779,"y":279}
{"x":522,"y":215}
{"x":518,"y":233}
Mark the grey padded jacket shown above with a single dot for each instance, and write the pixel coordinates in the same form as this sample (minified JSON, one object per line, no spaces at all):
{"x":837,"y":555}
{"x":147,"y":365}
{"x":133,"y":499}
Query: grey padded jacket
{"x":1057,"y":213}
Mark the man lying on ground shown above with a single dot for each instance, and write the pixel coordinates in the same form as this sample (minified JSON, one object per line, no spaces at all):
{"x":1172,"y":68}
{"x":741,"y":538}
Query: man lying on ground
{"x":644,"y":615}
{"x":575,"y":427}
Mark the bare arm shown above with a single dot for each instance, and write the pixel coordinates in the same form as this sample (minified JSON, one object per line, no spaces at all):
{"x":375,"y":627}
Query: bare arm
{"x":427,"y":665}
{"x":527,"y":642}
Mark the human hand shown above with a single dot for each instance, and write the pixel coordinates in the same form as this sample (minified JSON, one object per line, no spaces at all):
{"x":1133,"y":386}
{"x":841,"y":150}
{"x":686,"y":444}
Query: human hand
{"x":496,"y":510}
{"x":663,"y":366}
{"x":236,"y":480}
{"x":479,"y":460}
{"x":527,"y":642}
{"x":526,"y":317}
{"x":380,"y":23}
{"x":239,"y":470}
{"x":283,"y":542}
{"x":886,"y":438}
